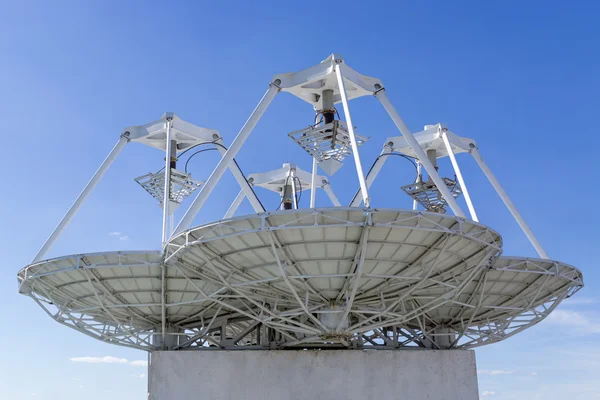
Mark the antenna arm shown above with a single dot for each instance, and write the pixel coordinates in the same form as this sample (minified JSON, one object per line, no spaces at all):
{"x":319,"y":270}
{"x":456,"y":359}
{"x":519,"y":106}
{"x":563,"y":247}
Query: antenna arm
{"x":235,"y":205}
{"x":112,"y":156}
{"x":509,"y":204}
{"x":372,"y":174}
{"x":329,"y":192}
{"x":421,"y":156}
{"x":228,"y":157}
{"x":244,"y":185}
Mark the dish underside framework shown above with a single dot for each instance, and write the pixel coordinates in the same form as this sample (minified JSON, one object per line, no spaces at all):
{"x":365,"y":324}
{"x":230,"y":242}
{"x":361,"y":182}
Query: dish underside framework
{"x":346,"y":278}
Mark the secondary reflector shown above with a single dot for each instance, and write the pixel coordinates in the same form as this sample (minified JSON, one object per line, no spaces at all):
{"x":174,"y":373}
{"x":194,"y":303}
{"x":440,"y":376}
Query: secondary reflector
{"x":329,"y":144}
{"x":182,"y":185}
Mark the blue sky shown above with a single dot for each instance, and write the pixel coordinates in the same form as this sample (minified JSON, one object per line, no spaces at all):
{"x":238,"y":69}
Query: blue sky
{"x":521,"y":78}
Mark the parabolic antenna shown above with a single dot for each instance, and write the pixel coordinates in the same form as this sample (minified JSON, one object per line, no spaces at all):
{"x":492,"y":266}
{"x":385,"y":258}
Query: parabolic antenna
{"x":422,"y":275}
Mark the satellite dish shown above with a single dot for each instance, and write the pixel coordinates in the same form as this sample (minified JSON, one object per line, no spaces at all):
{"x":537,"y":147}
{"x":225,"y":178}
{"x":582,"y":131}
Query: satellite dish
{"x":424,"y":274}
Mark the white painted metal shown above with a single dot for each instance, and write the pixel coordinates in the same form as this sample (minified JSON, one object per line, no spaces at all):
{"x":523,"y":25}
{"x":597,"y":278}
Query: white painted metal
{"x":509,"y":204}
{"x":358,"y":164}
{"x":372,"y":174}
{"x":343,"y":278}
{"x":244,"y":185}
{"x":461,"y":181}
{"x":430,"y":138}
{"x":182,"y":185}
{"x":304,"y":84}
{"x":227,"y":274}
{"x":420,"y":154}
{"x":293,"y":183}
{"x":227,"y":159}
{"x":276,"y":179}
{"x":313,"y":184}
{"x":415,"y":203}
{"x":123,"y":140}
{"x":329,"y":192}
{"x":329,"y":143}
{"x":153,"y":134}
{"x":167,"y":191}
{"x":235,"y":205}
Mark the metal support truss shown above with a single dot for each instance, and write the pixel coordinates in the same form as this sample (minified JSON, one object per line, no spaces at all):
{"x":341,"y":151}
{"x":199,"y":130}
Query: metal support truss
{"x":167,"y":190}
{"x":353,"y":142}
{"x":112,"y":156}
{"x":509,"y":204}
{"x":227,"y":159}
{"x":461,"y":181}
{"x":421,"y":156}
{"x":235,"y":205}
{"x":208,"y":295}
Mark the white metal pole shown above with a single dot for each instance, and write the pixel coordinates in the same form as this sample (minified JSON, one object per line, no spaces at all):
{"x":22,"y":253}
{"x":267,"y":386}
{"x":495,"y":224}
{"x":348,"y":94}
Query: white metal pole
{"x":509,"y":204}
{"x":372,"y":174}
{"x":167,"y":192}
{"x":359,"y":170}
{"x":461,"y":180}
{"x":421,"y":156}
{"x":235,"y":205}
{"x":292,"y":175}
{"x":227,"y":159}
{"x":123,"y":140}
{"x":415,"y":203}
{"x":244,"y":185}
{"x":313,"y":183}
{"x":329,"y":191}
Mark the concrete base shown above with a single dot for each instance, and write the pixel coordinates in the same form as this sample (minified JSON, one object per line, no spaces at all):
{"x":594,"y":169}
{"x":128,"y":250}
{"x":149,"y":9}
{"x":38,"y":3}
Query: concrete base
{"x":324,"y":374}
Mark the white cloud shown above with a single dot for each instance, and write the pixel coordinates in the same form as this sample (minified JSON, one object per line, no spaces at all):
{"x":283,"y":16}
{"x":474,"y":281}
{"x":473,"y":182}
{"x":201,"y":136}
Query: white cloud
{"x":487,"y":393}
{"x":139,"y":363}
{"x":139,"y":376}
{"x":100,"y":360}
{"x":533,"y":373}
{"x":109,"y":360}
{"x":120,"y":235}
{"x":577,"y":301}
{"x":574,"y":320}
{"x":495,"y":372}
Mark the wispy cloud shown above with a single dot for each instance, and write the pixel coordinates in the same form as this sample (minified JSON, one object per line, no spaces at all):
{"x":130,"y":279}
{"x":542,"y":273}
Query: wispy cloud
{"x":100,"y":360}
{"x":110,"y":360}
{"x":574,"y":320}
{"x":139,"y":363}
{"x":495,"y":372}
{"x":120,"y":235}
{"x":487,"y":393}
{"x":578,"y":301}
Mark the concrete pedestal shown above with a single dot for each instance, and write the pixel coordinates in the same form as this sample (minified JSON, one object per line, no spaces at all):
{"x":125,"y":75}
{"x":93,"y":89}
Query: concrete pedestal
{"x":324,"y":374}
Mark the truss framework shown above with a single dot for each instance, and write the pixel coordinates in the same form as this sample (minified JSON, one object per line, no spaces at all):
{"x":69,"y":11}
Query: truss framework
{"x":348,"y":278}
{"x":327,"y":143}
{"x":427,"y":194}
{"x":182,"y":185}
{"x":251,"y":283}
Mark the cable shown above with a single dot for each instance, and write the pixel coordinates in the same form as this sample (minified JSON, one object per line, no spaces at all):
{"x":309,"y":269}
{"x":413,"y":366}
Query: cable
{"x":298,"y":193}
{"x":199,"y":151}
{"x":409,"y":158}
{"x":234,"y":161}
